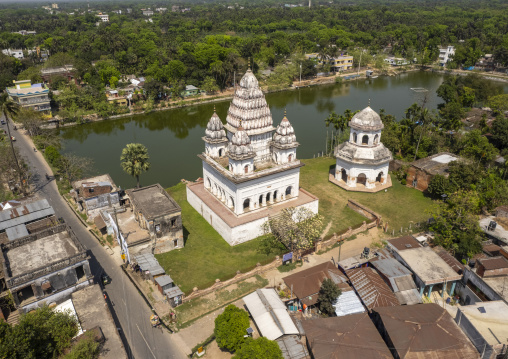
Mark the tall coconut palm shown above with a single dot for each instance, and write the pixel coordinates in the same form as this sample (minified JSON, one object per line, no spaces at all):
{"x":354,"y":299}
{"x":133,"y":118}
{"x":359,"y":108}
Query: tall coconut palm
{"x":134,"y":160}
{"x":9,"y":109}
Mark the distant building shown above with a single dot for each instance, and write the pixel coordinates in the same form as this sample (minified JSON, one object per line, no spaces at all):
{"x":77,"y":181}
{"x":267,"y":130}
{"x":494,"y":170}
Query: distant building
{"x":114,"y":96}
{"x":446,"y":54}
{"x":486,"y":63}
{"x":190,"y":90}
{"x":396,"y":61}
{"x":147,"y":12}
{"x":103,"y":17}
{"x":54,"y":6}
{"x":161,"y":9}
{"x":66,"y":71}
{"x":26,"y":94}
{"x":45,"y":267}
{"x":16,"y":53}
{"x":337,"y":63}
{"x":371,"y":288}
{"x":129,"y":10}
{"x":25,"y":32}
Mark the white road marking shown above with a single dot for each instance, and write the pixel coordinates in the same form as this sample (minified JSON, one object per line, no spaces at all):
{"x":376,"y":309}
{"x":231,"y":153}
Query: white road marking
{"x":142,"y":336}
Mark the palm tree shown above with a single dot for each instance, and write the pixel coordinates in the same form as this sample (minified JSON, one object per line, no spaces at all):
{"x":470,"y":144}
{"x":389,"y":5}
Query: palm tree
{"x":10,"y":108}
{"x":134,"y":160}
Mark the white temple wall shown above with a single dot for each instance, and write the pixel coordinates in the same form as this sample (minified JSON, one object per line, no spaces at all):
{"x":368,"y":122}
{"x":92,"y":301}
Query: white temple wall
{"x":239,"y":234}
{"x":354,"y":170}
{"x":282,"y":156}
{"x":214,"y":150}
{"x":259,"y":192}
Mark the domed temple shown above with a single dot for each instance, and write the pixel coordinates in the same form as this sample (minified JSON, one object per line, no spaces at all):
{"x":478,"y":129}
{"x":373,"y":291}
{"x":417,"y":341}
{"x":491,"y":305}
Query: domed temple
{"x":362,"y":162}
{"x":250,"y":168}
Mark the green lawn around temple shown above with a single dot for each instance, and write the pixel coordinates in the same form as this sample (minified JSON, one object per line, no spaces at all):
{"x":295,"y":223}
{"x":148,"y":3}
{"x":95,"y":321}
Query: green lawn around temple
{"x":207,"y":257}
{"x":400,"y":206}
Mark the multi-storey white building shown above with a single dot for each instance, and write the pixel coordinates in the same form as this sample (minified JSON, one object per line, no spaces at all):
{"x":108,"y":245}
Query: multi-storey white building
{"x":445,"y":55}
{"x":248,"y":167}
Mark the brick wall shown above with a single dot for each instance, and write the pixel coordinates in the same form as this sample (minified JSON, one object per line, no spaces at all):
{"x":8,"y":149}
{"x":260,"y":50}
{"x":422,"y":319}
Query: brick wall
{"x":97,"y":190}
{"x":423,"y":178}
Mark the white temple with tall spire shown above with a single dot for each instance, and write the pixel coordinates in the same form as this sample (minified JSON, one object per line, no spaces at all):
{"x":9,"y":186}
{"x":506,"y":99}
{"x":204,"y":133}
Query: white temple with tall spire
{"x":250,"y":168}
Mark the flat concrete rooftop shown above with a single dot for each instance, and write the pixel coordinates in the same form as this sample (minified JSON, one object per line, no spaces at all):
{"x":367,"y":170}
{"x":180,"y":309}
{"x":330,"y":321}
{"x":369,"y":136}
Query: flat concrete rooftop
{"x":153,"y":201}
{"x":499,"y":285}
{"x":492,"y":324}
{"x":130,"y":228}
{"x":41,"y":252}
{"x":92,"y":311}
{"x":101,"y":178}
{"x":429,"y":266}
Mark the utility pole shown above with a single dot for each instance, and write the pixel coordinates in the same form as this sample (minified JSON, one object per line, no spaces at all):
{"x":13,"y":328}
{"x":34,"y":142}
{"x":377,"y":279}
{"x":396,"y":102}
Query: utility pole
{"x":300,"y":74}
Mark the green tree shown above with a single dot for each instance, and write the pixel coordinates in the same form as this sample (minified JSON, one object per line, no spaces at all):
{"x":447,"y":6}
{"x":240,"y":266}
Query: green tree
{"x":259,"y":348}
{"x":113,"y":82}
{"x":32,"y":73}
{"x":455,"y":223}
{"x":41,"y":334}
{"x":134,"y":160}
{"x":9,"y":110}
{"x":500,"y":132}
{"x":438,"y":186}
{"x":85,"y":348}
{"x":296,"y":229}
{"x":476,"y":146}
{"x":328,"y":294}
{"x":230,"y":328}
{"x":210,"y":85}
{"x":498,"y":104}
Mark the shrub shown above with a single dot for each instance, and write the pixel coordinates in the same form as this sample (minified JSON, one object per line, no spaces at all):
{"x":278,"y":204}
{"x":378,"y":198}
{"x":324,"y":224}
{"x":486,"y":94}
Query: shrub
{"x":230,"y":328}
{"x":52,"y":155}
{"x":259,"y":348}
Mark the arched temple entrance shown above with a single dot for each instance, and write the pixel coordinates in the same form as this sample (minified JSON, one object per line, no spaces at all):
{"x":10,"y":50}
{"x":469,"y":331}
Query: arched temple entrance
{"x":343,"y":175}
{"x":361,"y":179}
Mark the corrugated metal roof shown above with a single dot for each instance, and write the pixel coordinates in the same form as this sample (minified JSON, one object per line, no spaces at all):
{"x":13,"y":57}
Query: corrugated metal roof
{"x":424,"y":331}
{"x":371,"y":288}
{"x":494,"y":263}
{"x":148,"y":262}
{"x":173,"y":292}
{"x":24,"y":214}
{"x":307,"y":283}
{"x":348,"y":303}
{"x":352,"y":336}
{"x":451,"y":261}
{"x":16,"y":232}
{"x":292,"y":347}
{"x":163,"y":280}
{"x":269,"y":313}
{"x":402,"y":283}
{"x":409,"y":297}
{"x":391,"y":268}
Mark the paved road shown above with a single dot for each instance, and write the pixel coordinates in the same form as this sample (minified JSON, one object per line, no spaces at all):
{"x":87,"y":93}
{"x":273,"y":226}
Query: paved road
{"x":129,"y":309}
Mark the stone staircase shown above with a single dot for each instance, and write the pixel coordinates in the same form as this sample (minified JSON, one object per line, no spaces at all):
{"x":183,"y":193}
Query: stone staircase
{"x":13,"y":318}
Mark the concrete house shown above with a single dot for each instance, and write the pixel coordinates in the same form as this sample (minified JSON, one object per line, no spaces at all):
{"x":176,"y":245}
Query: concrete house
{"x":95,"y":193}
{"x":158,"y":215}
{"x":44,"y":267}
{"x":26,"y":94}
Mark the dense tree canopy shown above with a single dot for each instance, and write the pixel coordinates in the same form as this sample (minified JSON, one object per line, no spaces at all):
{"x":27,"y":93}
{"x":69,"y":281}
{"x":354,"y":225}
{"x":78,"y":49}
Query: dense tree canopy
{"x":230,"y":328}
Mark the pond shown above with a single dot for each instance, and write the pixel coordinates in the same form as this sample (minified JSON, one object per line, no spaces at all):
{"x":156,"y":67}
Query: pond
{"x":173,"y":137}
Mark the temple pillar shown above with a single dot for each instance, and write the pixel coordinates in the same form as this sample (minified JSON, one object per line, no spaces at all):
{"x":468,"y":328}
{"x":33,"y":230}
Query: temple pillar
{"x":263,"y":202}
{"x":251,"y":204}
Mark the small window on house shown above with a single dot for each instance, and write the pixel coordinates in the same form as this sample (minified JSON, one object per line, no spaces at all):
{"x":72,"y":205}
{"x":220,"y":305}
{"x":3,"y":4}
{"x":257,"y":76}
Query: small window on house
{"x":91,"y":190}
{"x":175,"y":243}
{"x":173,"y":222}
{"x":80,"y":272}
{"x":246,"y":169}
